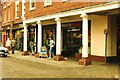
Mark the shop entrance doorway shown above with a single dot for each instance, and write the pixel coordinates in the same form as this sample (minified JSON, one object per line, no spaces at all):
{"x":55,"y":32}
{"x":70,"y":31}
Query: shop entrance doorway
{"x":31,"y":37}
{"x":118,"y":43}
{"x":4,"y":39}
{"x":118,"y":38}
{"x":49,"y":31}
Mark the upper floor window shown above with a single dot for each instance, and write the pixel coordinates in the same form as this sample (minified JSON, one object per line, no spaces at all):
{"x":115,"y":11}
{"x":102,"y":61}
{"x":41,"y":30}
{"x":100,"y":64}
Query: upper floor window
{"x":4,"y":7}
{"x":4,"y":15}
{"x":47,"y":2}
{"x":4,"y":0}
{"x":8,"y":13}
{"x":16,"y":9}
{"x":32,"y":4}
{"x":65,"y":0}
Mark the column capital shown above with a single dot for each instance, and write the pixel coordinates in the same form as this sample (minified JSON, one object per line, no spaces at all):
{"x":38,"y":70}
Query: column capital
{"x":39,"y":22}
{"x":24,"y":24}
{"x":57,"y":19}
{"x":84,"y":15}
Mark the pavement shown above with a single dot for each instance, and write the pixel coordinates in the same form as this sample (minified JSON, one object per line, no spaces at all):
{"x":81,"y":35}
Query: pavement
{"x":69,"y":62}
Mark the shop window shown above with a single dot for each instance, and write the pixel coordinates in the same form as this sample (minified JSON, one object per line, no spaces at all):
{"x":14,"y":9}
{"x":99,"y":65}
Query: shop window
{"x":47,"y":2}
{"x":32,"y":4}
{"x":72,"y":36}
{"x":48,"y":31}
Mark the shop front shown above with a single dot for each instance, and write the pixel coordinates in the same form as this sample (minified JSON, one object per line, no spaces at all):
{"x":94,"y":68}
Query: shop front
{"x":31,"y":36}
{"x":5,"y":34}
{"x":49,"y":31}
{"x":71,"y":35}
{"x":18,"y":35}
{"x":4,"y":37}
{"x":72,"y":38}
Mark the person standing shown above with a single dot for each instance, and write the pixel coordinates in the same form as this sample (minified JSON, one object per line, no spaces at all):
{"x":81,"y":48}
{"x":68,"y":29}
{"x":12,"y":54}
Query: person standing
{"x":13,"y":45}
{"x":51,"y":45}
{"x":8,"y":45}
{"x":32,"y":47}
{"x":47,"y":47}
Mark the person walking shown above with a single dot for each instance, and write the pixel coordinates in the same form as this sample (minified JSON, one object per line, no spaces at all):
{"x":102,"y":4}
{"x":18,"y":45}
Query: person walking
{"x":51,"y":45}
{"x":8,"y":45}
{"x":32,"y":47}
{"x":13,"y":45}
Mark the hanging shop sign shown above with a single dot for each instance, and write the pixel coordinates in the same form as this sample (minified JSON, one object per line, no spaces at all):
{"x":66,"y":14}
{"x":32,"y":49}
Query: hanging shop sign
{"x":72,"y":24}
{"x":66,"y":25}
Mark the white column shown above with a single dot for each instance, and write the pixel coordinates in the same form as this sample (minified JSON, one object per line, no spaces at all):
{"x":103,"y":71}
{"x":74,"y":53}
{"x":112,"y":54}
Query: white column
{"x":84,"y":35}
{"x":25,"y":37}
{"x":58,"y":36}
{"x":39,"y":44}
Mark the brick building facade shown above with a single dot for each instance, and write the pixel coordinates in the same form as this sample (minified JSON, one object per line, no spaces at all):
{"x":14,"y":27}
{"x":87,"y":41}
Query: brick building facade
{"x":70,"y":23}
{"x":12,"y":21}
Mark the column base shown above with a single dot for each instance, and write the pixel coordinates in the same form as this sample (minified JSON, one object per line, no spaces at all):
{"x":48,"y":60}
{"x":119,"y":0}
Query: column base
{"x":25,"y":53}
{"x":58,"y":58}
{"x":85,"y":61}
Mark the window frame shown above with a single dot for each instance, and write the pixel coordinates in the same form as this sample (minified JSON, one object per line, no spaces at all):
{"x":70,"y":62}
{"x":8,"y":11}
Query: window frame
{"x":9,"y":12}
{"x":47,"y":2}
{"x":5,"y":16}
{"x":31,"y":2}
{"x":65,"y":1}
{"x":16,"y":9}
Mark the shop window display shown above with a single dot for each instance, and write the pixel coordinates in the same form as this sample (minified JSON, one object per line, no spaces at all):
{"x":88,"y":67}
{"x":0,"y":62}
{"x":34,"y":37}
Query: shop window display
{"x":72,"y":36}
{"x":19,"y":39}
{"x":48,"y":31}
{"x":30,"y":37}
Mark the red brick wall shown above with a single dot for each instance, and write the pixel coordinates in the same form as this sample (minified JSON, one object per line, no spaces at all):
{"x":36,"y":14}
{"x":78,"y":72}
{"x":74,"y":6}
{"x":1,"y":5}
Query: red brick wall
{"x":54,"y":8}
{"x":12,"y":11}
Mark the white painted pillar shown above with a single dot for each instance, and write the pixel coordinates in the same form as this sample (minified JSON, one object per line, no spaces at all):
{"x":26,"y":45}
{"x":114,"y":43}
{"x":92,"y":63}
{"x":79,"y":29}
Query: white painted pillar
{"x":39,"y":44}
{"x":25,"y":37}
{"x":58,"y":36}
{"x":84,"y":35}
